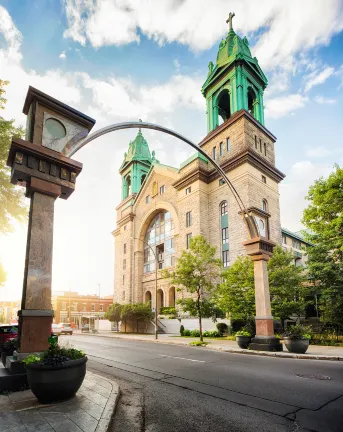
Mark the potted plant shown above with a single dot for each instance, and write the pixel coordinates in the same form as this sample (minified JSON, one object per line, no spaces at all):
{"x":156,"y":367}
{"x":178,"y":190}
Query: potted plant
{"x":297,"y":339}
{"x":9,"y":346}
{"x":243,"y":338}
{"x":56,"y":374}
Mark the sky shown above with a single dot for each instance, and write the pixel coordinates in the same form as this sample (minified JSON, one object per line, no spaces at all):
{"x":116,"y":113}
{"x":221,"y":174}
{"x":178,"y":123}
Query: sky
{"x":121,"y":60}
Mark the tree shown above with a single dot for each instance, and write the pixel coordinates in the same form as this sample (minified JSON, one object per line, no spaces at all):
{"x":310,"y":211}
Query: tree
{"x":197,"y":272}
{"x":142,"y":312}
{"x":11,"y":198}
{"x":113,"y":313}
{"x":287,"y":285}
{"x":288,"y":290}
{"x":323,"y":219}
{"x":236,"y":294}
{"x":126,"y":313}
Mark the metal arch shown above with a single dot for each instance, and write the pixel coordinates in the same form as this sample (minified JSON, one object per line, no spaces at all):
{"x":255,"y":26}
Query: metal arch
{"x":248,"y":219}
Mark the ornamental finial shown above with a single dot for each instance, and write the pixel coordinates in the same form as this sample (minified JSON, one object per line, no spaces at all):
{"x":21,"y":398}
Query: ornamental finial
{"x":229,"y":20}
{"x":140,"y":120}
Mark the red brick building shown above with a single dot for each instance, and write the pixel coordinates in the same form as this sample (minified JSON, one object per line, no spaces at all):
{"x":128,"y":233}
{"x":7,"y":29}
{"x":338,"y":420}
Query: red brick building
{"x":71,"y":307}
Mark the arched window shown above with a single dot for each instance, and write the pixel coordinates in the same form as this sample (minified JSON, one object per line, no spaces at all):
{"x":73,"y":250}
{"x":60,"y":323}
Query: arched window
{"x":159,"y":240}
{"x":252,"y":99}
{"x":223,"y":208}
{"x":160,"y":300}
{"x":147,"y":297}
{"x":128,"y":186}
{"x":143,"y":178}
{"x":264,"y":205}
{"x":223,"y":102}
{"x":171,"y":297}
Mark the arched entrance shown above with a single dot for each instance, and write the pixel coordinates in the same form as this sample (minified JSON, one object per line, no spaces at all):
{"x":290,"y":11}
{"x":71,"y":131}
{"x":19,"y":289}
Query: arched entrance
{"x":171,"y":296}
{"x":147,"y":297}
{"x":160,"y":300}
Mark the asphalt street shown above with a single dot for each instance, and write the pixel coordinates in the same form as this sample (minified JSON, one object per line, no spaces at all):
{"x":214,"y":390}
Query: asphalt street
{"x":177,"y":389}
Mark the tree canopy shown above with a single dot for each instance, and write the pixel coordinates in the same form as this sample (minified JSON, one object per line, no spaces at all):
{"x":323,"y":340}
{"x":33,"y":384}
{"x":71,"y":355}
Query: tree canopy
{"x":323,"y":219}
{"x":11,"y":197}
{"x":197,"y":272}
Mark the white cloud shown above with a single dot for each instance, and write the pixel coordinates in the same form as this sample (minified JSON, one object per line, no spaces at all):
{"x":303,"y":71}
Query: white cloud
{"x":317,"y":78}
{"x":11,"y":34}
{"x":294,"y":189}
{"x":324,"y":100}
{"x":284,"y":105}
{"x":63,"y":55}
{"x":103,"y":22}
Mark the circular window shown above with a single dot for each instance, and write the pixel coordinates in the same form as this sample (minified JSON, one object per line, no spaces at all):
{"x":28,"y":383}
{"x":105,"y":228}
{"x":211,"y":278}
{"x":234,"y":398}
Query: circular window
{"x":55,"y":128}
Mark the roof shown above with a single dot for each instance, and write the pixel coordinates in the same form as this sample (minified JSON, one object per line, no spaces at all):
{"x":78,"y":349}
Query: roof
{"x":138,"y":151}
{"x":296,"y":235}
{"x":194,"y":156}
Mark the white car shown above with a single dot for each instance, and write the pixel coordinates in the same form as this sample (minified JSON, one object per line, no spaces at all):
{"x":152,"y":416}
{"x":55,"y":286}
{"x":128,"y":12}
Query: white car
{"x":56,"y":329}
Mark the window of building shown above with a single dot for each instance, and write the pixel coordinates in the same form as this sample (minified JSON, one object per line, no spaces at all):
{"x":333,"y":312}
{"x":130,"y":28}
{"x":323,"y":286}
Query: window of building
{"x":93,"y":307}
{"x":225,"y":255}
{"x":124,"y":264}
{"x":64,"y":306}
{"x":284,"y":239}
{"x":188,"y":240}
{"x":125,"y":227}
{"x":228,"y":145}
{"x":101,"y":308}
{"x":225,"y":235}
{"x":84,"y":306}
{"x":296,"y":244}
{"x":159,"y":237}
{"x":264,"y":205}
{"x":124,"y":248}
{"x":223,"y":208}
{"x":162,"y":189}
{"x":214,"y":153}
{"x":255,"y":142}
{"x":265,"y":149}
{"x":264,"y":179}
{"x":221,"y":149}
{"x":221,"y":182}
{"x":260,"y":145}
{"x":188,"y":190}
{"x":123,"y":279}
{"x":147,"y":199}
{"x":188,"y":219}
{"x":75,"y":306}
{"x":123,"y":295}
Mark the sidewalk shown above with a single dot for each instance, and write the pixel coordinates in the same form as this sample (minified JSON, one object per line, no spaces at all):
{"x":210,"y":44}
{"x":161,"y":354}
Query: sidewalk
{"x":315,"y":352}
{"x":91,"y":410}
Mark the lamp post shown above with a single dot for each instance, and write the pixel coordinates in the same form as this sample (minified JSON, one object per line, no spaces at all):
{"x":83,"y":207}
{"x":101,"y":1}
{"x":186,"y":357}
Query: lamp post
{"x":156,"y":264}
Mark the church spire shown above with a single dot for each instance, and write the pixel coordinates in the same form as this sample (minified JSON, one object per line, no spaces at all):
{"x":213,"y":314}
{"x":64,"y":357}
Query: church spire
{"x":229,"y":20}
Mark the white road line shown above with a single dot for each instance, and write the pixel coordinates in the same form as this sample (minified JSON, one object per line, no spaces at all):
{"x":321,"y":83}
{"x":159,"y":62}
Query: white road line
{"x":182,"y":358}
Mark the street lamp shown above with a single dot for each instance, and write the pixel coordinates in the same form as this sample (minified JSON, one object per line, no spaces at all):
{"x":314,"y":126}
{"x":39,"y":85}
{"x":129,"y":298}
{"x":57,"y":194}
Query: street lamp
{"x":156,"y":264}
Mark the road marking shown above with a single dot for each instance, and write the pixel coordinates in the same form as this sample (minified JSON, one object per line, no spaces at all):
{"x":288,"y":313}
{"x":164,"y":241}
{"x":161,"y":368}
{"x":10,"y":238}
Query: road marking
{"x":183,"y":358}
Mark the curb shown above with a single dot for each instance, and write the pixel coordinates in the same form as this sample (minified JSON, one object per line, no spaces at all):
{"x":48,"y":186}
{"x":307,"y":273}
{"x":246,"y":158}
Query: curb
{"x":230,"y":350}
{"x":110,"y":407}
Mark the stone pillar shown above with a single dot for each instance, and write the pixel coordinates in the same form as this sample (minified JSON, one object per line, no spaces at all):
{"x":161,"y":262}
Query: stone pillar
{"x":260,"y":250}
{"x":35,"y":316}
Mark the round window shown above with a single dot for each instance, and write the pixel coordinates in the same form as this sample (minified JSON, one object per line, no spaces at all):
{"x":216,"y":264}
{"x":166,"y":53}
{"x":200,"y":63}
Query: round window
{"x":55,"y":128}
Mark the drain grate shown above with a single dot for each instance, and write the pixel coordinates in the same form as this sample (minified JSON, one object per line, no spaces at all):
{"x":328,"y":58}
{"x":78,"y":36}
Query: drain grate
{"x":314,"y":377}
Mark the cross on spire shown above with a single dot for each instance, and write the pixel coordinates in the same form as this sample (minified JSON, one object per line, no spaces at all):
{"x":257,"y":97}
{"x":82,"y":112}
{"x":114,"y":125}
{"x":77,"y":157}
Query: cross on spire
{"x":229,"y":20}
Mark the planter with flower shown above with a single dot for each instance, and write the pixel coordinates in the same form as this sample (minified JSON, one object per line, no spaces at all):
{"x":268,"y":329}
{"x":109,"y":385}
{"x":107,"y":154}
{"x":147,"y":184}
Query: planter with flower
{"x":297,"y":338}
{"x":9,"y":346}
{"x":243,"y":338}
{"x":56,"y":374}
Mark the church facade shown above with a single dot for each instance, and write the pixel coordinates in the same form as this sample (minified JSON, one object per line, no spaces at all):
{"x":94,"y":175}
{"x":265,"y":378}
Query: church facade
{"x":163,"y":207}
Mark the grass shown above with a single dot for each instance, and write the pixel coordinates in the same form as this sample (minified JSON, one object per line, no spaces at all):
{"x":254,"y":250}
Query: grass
{"x":198,"y":343}
{"x":211,"y":338}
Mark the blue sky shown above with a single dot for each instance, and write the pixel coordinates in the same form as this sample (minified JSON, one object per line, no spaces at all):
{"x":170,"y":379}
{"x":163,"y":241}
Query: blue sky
{"x":129,"y":59}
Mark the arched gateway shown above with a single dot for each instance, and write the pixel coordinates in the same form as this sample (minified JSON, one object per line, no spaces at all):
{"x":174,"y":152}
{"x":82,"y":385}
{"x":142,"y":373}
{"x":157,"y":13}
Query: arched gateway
{"x":55,"y":132}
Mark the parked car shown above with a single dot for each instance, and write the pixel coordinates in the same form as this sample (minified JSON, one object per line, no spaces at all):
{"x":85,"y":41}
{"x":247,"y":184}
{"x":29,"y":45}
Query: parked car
{"x":66,"y":328}
{"x":85,"y":328}
{"x":56,"y":330}
{"x":7,"y":332}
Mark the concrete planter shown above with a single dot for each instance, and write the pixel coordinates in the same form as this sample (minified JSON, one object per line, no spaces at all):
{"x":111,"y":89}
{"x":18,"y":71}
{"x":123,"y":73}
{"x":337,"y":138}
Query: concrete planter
{"x":4,"y":355}
{"x":298,"y":346}
{"x":55,"y":384}
{"x":243,"y":341}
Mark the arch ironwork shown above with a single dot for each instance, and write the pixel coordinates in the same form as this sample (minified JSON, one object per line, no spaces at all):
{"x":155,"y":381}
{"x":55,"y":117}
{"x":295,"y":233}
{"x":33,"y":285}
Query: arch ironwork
{"x":247,"y":217}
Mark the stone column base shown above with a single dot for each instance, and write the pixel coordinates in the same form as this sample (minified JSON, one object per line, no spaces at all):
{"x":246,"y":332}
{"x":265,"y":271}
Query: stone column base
{"x":35,"y":330}
{"x":266,"y":343}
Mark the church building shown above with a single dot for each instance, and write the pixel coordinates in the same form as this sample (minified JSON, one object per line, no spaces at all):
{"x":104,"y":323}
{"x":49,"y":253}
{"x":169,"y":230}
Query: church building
{"x":163,"y":207}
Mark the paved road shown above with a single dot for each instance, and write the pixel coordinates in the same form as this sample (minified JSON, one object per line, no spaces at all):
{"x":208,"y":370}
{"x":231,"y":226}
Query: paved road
{"x":185,"y":389}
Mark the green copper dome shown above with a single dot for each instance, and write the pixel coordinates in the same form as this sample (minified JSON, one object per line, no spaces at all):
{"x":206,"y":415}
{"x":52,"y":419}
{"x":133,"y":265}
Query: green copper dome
{"x":138,"y":150}
{"x":232,"y":48}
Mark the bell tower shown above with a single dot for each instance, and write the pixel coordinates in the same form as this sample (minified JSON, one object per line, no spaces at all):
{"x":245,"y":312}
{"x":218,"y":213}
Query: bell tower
{"x":235,"y":82}
{"x":136,"y":165}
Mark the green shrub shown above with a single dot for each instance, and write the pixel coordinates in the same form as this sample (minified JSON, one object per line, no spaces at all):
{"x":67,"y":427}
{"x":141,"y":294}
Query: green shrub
{"x":211,"y":333}
{"x":182,"y":330}
{"x":298,"y":331}
{"x":222,"y":328}
{"x":168,"y":311}
{"x":186,"y":332}
{"x":243,"y":333}
{"x":198,"y":343}
{"x":195,"y":333}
